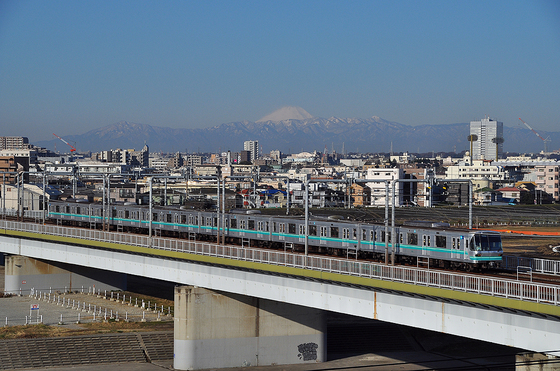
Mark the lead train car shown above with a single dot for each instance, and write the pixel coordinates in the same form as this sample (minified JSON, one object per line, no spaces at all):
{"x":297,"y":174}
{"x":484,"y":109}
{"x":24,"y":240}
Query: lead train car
{"x":459,"y":248}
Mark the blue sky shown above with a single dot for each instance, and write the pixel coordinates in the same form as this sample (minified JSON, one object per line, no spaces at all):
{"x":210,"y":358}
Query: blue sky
{"x":71,"y":66}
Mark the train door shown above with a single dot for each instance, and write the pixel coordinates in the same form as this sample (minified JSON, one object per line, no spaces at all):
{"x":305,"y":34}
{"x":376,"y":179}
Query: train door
{"x":282,"y":231}
{"x":345,"y":237}
{"x":426,"y":242}
{"x":242,"y":226}
{"x":323,"y":232}
{"x":455,"y":248}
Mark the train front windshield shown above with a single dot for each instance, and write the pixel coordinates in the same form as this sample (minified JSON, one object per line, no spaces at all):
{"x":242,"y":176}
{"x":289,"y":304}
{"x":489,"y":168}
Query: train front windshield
{"x":484,"y":242}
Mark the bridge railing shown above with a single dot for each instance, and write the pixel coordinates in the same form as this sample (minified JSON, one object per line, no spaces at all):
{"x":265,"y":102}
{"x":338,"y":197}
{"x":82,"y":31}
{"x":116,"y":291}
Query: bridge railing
{"x":544,"y":266}
{"x":526,"y":291}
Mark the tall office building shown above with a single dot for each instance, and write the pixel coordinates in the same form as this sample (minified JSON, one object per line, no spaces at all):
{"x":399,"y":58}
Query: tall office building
{"x":490,"y":134}
{"x":253,"y":147}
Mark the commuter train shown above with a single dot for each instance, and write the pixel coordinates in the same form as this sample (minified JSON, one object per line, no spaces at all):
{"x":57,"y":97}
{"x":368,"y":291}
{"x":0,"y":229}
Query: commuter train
{"x":416,"y":242}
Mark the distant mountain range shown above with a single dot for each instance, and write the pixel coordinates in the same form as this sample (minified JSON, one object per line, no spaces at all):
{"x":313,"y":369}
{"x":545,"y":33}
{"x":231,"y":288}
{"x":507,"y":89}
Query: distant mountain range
{"x":294,"y":135}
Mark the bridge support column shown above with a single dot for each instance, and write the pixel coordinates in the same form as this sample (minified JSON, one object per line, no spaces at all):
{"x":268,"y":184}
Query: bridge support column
{"x":218,"y":330}
{"x":23,"y":273}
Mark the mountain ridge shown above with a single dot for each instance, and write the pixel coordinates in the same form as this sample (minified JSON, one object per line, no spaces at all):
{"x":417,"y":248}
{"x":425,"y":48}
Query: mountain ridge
{"x":358,"y":135}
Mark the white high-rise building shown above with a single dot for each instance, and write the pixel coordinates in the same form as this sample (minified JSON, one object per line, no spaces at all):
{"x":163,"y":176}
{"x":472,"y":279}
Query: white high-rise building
{"x":490,"y":134}
{"x":253,"y":147}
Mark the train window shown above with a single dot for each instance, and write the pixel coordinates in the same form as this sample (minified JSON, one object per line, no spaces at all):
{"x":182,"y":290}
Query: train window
{"x":154,"y":217}
{"x":441,"y":241}
{"x":291,"y":228}
{"x":282,"y":227}
{"x":243,"y":224}
{"x":334,"y":232}
{"x":233,"y":223}
{"x":364,"y":235}
{"x":426,"y":240}
{"x":302,"y":229}
{"x":251,"y":225}
{"x":345,"y":233}
{"x":354,"y":234}
{"x":274,"y":227}
{"x":67,"y":210}
{"x":323,"y":231}
{"x":57,"y":209}
{"x":168,"y":218}
{"x":453,"y":243}
{"x":196,"y":220}
{"x":487,"y":242}
{"x":412,"y":238}
{"x":126,"y":214}
{"x":383,"y":236}
{"x":214,"y":221}
{"x":372,"y":236}
{"x":183,"y":219}
{"x":266,"y":226}
{"x":114,"y":213}
{"x":400,"y":238}
{"x":312,"y":230}
{"x":78,"y":211}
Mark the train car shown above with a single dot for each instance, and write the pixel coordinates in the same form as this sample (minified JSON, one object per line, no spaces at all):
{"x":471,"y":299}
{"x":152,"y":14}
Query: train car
{"x":414,"y":241}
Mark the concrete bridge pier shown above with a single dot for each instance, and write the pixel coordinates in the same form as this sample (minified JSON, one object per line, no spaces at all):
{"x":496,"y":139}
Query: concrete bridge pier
{"x":218,"y":330}
{"x":23,"y":273}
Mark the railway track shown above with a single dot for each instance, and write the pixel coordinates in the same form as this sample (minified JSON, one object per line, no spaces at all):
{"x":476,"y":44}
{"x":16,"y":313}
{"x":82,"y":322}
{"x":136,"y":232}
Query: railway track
{"x":482,"y":215}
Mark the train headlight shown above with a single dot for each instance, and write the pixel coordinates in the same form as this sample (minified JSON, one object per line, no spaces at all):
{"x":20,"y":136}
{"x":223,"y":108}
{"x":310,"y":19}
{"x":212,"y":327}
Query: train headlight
{"x":477,"y":254}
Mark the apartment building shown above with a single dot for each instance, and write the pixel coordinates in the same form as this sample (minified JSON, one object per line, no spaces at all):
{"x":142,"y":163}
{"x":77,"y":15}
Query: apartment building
{"x":548,"y":180}
{"x":14,"y":143}
{"x":378,"y":191}
{"x":482,"y":173}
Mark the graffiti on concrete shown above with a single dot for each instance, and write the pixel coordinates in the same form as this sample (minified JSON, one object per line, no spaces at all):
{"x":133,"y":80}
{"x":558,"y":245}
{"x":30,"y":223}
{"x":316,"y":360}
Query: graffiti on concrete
{"x":308,"y":351}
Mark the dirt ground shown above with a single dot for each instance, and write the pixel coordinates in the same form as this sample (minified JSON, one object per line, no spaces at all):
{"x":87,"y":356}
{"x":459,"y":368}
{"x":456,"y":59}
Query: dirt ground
{"x":531,"y":246}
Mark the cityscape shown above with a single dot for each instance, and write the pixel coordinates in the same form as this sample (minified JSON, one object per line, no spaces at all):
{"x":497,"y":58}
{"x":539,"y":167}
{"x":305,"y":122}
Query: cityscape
{"x":254,"y":179}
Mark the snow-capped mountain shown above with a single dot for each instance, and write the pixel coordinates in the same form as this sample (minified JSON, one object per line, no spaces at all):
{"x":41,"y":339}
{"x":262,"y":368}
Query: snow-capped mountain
{"x":294,"y":135}
{"x":287,"y":113}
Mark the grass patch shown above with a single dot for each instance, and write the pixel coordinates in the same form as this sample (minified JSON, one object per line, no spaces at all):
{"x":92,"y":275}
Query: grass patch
{"x":42,"y":331}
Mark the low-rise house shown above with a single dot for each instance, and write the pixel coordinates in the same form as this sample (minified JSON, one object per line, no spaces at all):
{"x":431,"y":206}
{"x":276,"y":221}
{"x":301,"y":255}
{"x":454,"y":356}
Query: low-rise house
{"x":360,"y":194}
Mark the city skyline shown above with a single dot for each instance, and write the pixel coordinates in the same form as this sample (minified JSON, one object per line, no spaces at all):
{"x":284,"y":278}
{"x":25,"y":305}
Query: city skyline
{"x":68,"y":67}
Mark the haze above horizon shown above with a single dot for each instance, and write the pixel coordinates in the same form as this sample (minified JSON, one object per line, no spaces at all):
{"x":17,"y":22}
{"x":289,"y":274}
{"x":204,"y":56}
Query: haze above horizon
{"x":71,"y":66}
